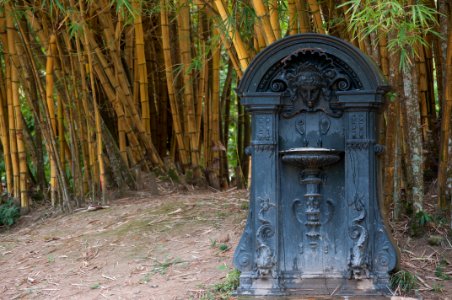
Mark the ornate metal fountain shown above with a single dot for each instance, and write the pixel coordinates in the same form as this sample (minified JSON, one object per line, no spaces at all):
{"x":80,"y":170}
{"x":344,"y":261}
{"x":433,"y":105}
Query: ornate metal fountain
{"x":315,"y":226}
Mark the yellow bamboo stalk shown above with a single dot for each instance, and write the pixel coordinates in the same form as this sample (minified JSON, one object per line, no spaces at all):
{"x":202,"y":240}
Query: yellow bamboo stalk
{"x":51,"y":53}
{"x":4,"y":110}
{"x":103,"y":182}
{"x":445,"y":126}
{"x":384,"y":55}
{"x":166,"y":48}
{"x":259,"y":37}
{"x":142,"y":70}
{"x":125,"y":97}
{"x":5,"y":142}
{"x":15,"y":188}
{"x":62,"y":67}
{"x":315,"y":10}
{"x":122,"y":140}
{"x":292,"y":11}
{"x":48,"y":132}
{"x":203,"y":78}
{"x":37,"y":28}
{"x":50,"y":63}
{"x":82,"y":108}
{"x":21,"y":190}
{"x":274,"y":19}
{"x":262,"y":14}
{"x":303,"y":16}
{"x":232,"y":55}
{"x":77,"y":128}
{"x":122,"y":137}
{"x":186,"y":59}
{"x":129,"y":48}
{"x":115,"y":99}
{"x":61,"y":139}
{"x":100,"y":160}
{"x":423,"y":92}
{"x":215,"y":110}
{"x":22,"y":156}
{"x":239,"y":46}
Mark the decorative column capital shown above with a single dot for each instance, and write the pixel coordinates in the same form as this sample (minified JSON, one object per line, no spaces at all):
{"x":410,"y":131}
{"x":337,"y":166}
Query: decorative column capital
{"x":263,"y":103}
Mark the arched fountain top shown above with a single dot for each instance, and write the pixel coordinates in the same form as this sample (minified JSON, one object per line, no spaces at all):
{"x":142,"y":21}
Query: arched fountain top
{"x":348,"y":57}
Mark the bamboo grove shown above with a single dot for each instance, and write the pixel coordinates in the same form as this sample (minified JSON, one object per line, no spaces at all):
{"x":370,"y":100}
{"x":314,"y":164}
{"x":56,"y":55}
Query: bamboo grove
{"x":92,"y":91}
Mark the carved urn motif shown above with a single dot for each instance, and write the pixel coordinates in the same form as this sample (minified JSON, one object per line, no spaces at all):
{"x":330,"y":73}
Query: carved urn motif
{"x":315,"y":225}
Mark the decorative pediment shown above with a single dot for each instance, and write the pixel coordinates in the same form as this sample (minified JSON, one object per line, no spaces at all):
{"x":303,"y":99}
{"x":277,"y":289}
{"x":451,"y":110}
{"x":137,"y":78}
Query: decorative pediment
{"x":309,"y":78}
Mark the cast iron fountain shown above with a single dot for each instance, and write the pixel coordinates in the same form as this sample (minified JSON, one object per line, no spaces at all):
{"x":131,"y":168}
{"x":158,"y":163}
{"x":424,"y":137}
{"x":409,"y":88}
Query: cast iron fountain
{"x":315,"y":226}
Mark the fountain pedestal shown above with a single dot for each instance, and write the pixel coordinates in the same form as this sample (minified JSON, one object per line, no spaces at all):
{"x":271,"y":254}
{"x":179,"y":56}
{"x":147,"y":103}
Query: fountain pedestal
{"x":310,"y":161}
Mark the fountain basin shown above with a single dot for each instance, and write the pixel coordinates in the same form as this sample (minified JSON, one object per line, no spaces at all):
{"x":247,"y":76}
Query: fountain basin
{"x":311,"y":158}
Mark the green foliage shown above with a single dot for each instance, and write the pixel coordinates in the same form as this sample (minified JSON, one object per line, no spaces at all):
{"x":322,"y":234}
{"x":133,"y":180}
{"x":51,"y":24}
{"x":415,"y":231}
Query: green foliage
{"x":222,"y":267}
{"x":9,"y":212}
{"x":407,"y":25}
{"x":435,"y":240}
{"x":419,"y":222}
{"x":243,"y":17}
{"x":223,"y":247}
{"x":392,"y":96}
{"x":162,"y":267}
{"x":224,"y":289}
{"x":245,"y":205}
{"x":146,"y":278}
{"x":404,"y":281}
{"x":124,"y":6}
{"x":172,"y":173}
{"x":95,"y":286}
{"x":51,"y":5}
{"x":423,"y":217}
{"x":438,"y":287}
{"x":439,"y":270}
{"x":75,"y":29}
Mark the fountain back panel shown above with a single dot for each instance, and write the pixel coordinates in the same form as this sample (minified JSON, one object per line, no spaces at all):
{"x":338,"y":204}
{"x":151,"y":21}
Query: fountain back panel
{"x":315,"y":225}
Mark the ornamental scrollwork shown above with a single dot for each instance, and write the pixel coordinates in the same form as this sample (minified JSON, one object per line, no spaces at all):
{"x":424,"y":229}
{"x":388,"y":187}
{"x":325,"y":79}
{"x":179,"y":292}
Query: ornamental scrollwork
{"x":309,"y":78}
{"x":265,"y":255}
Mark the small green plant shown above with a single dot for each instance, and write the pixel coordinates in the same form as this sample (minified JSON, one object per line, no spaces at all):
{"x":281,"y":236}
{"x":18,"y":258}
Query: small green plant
{"x":146,"y":278}
{"x":419,"y":222}
{"x":50,"y":258}
{"x":95,"y":286}
{"x":222,"y":267}
{"x":172,"y":173}
{"x":162,"y":267}
{"x":213,"y":243}
{"x":9,"y":213}
{"x":225,"y":288}
{"x":245,"y":205}
{"x":439,"y":270}
{"x":423,"y":217}
{"x":223,"y":247}
{"x":404,"y":281}
{"x":438,"y":287}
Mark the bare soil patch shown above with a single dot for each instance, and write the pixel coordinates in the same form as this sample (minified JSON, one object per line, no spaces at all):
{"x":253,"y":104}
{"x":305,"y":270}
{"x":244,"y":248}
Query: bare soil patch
{"x":173,"y":246}
{"x":141,"y":247}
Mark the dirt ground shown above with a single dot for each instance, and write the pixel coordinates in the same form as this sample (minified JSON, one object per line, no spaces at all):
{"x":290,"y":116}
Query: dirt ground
{"x":141,"y":247}
{"x":172,"y":246}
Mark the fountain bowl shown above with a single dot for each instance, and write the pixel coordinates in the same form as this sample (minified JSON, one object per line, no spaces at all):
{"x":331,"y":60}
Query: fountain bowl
{"x":311,"y":158}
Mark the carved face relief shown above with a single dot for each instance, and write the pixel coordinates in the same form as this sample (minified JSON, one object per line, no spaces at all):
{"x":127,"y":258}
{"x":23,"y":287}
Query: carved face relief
{"x":309,"y":87}
{"x":309,"y":77}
